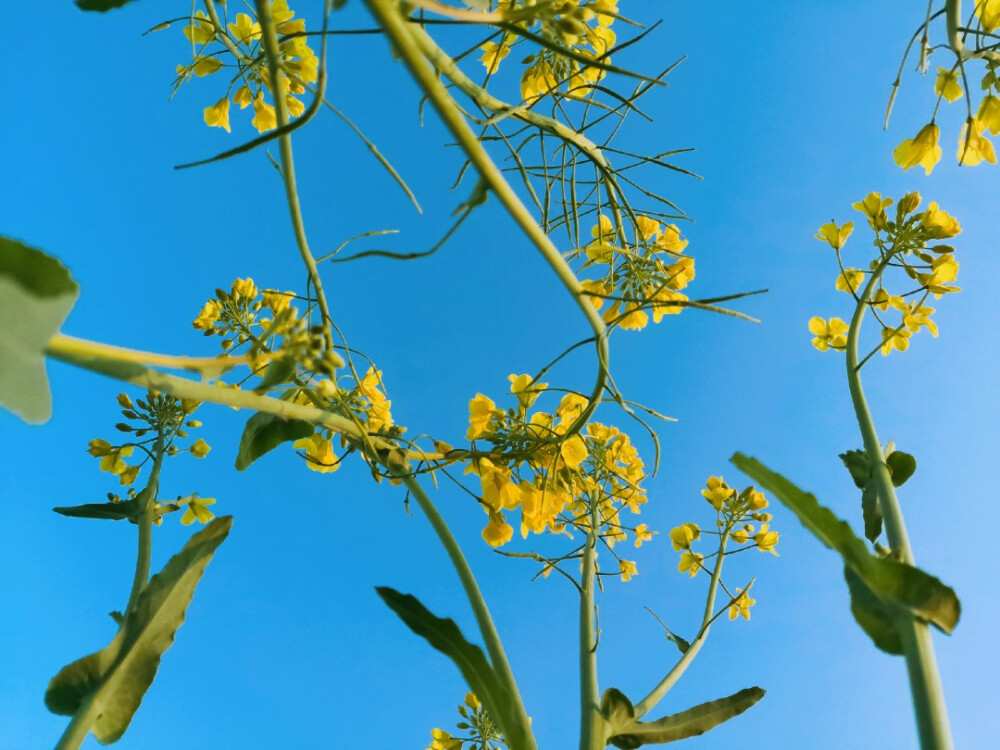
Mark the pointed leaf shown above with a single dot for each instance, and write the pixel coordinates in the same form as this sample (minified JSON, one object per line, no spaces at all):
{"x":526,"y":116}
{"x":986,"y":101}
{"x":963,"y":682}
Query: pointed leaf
{"x":125,"y":510}
{"x":896,"y":583}
{"x":116,"y":678}
{"x":36,"y":295}
{"x":101,"y":5}
{"x":871,"y":511}
{"x":901,"y":467}
{"x":265,"y":432}
{"x":690,"y":723}
{"x":873,"y":615}
{"x":277,"y":372}
{"x":857,"y":463}
{"x":446,"y":637}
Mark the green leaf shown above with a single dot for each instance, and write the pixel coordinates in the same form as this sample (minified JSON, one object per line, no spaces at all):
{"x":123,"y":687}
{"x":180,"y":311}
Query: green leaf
{"x":126,"y":510}
{"x":901,"y":467}
{"x":873,"y":615}
{"x":446,"y":637}
{"x":116,"y":678}
{"x":895,"y":583}
{"x":278,"y":371}
{"x":101,"y":5}
{"x":857,"y":463}
{"x":627,"y":733}
{"x":871,"y":511}
{"x":265,"y":432}
{"x":36,"y":295}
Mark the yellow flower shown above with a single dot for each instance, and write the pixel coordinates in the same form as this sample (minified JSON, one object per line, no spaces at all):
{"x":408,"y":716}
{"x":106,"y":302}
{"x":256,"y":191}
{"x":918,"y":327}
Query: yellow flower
{"x":633,"y":319}
{"x":208,"y":315}
{"x":497,"y":532}
{"x":200,"y":448}
{"x":830,"y":334}
{"x":756,"y":500}
{"x":989,"y":13}
{"x":604,"y":8}
{"x":717,"y":493}
{"x":743,"y":535}
{"x":124,"y":401}
{"x":319,"y":453}
{"x":472,"y":701}
{"x":277,"y":301}
{"x":295,"y":106}
{"x":243,"y":97}
{"x":670,"y":239}
{"x":244,"y":288}
{"x":893,"y":338}
{"x":205,"y":66}
{"x":245,"y":30}
{"x":441,"y":740}
{"x":835,"y":235}
{"x":129,"y":475}
{"x":662,"y":304}
{"x":627,"y":569}
{"x":691,"y":563}
{"x":264,"y":118}
{"x":197,"y":509}
{"x":482,"y":411}
{"x":647,"y":227}
{"x":920,"y":317}
{"x":922,"y":149}
{"x":217,"y":116}
{"x":946,"y":84}
{"x":592,"y":288}
{"x":766,"y":540}
{"x":740,"y":606}
{"x":493,"y":53}
{"x":601,"y":39}
{"x":974,"y":148}
{"x":570,"y":407}
{"x":526,"y":389}
{"x":200,"y":29}
{"x":849,"y":280}
{"x":682,"y":536}
{"x":873,"y":206}
{"x":941,"y":224}
{"x":988,"y":115}
{"x":537,"y":81}
{"x":944,"y":269}
{"x":111,"y":458}
{"x":642,"y":534}
{"x":573,"y":451}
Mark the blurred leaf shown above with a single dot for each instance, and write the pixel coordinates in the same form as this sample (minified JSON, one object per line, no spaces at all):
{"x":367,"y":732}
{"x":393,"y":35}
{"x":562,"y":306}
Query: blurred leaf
{"x":627,"y":733}
{"x":873,"y":615}
{"x":101,"y":5}
{"x":896,"y":583}
{"x":857,"y":463}
{"x":265,"y":432}
{"x":36,"y":295}
{"x":278,"y":371}
{"x":446,"y":637}
{"x":126,"y":510}
{"x":117,"y":677}
{"x":871,"y":510}
{"x":901,"y":466}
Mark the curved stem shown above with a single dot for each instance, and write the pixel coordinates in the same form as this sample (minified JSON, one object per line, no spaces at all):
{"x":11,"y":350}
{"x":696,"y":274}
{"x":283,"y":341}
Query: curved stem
{"x":921,"y":664}
{"x":591,"y":734}
{"x":491,"y":638}
{"x":147,"y":499}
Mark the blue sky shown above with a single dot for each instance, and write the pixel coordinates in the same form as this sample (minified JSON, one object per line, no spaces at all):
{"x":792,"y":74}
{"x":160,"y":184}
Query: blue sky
{"x":286,"y":643}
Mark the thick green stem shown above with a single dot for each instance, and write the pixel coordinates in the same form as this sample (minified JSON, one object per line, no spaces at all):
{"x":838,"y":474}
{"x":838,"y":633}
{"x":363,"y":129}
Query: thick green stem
{"x":656,"y":694}
{"x":491,"y":638}
{"x":591,"y":723}
{"x":921,"y":665}
{"x":147,"y":499}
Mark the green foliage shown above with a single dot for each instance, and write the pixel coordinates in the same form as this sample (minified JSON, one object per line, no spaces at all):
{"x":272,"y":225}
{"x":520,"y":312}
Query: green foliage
{"x":265,"y":432}
{"x":627,"y":733}
{"x":125,"y":510}
{"x":894,"y":583}
{"x":901,"y":467}
{"x":874,"y":616}
{"x":871,"y":512}
{"x":116,"y":678}
{"x":446,"y":637}
{"x":101,"y":5}
{"x":36,"y":295}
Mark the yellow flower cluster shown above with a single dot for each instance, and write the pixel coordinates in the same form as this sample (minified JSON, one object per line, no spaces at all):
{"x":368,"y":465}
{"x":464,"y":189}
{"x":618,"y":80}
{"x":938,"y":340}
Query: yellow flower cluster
{"x":647,"y":276}
{"x":581,"y":27}
{"x":908,"y":240}
{"x":482,"y":731}
{"x":251,"y":79}
{"x":551,"y":476}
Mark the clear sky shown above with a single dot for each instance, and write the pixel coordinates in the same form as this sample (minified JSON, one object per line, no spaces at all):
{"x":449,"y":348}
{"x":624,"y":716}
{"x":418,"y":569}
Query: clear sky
{"x":286,"y":643}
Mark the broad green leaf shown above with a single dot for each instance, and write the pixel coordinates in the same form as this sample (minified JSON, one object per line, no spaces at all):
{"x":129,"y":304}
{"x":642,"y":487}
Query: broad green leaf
{"x":277,"y":372}
{"x":627,"y":733}
{"x":901,"y":467}
{"x":857,"y":463}
{"x":446,"y":637}
{"x":896,"y":583}
{"x":101,"y":5}
{"x":36,"y":295}
{"x":873,"y":615}
{"x":264,"y":432}
{"x":871,"y":511}
{"x":125,"y":510}
{"x":116,"y":678}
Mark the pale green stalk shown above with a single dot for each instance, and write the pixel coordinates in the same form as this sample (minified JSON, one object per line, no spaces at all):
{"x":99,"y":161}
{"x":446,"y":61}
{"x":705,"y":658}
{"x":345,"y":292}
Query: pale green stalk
{"x":953,"y":20}
{"x":925,"y":681}
{"x":657,"y":693}
{"x":591,"y":721}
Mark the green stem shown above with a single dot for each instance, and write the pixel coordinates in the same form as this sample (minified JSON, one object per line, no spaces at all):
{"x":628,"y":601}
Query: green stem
{"x":921,"y":664}
{"x":147,"y":499}
{"x":656,"y":694}
{"x":591,"y":722}
{"x":491,"y":638}
{"x":79,"y":726}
